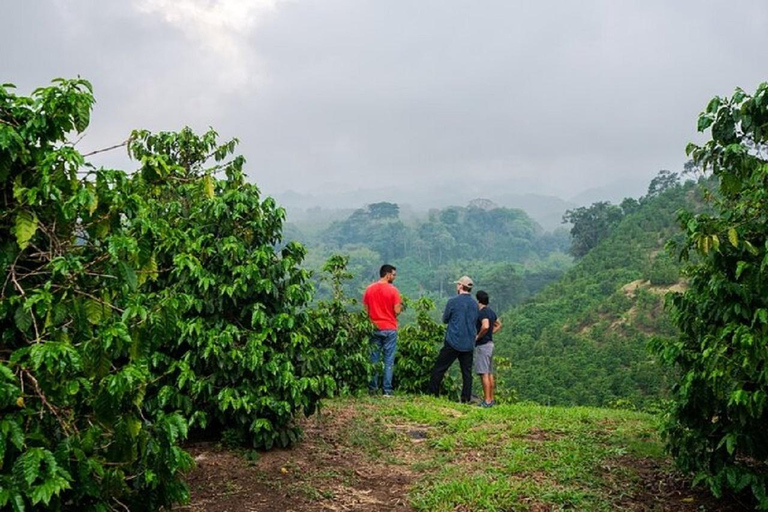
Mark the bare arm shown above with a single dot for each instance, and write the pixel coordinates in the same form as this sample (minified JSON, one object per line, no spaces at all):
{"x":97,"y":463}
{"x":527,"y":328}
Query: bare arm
{"x":398,"y":308}
{"x":484,"y":326}
{"x":496,"y":326}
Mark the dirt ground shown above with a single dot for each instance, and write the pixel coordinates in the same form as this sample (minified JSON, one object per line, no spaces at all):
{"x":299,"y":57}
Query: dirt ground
{"x":326,"y":473}
{"x":320,"y":474}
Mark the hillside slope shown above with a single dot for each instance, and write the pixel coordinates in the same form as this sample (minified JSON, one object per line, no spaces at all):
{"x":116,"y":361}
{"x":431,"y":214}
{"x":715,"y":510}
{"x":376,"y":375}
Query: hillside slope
{"x":583,"y":339}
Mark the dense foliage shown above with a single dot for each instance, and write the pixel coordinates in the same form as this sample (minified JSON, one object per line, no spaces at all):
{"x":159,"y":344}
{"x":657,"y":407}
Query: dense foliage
{"x":583,"y":339}
{"x":717,"y":424}
{"x":73,"y":379}
{"x":339,"y":330}
{"x":227,"y":305}
{"x":590,"y":225}
{"x":417,"y":347}
{"x":135,"y":307}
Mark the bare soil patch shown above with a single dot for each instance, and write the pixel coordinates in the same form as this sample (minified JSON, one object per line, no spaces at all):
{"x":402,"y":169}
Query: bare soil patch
{"x":662,"y":489}
{"x":322,"y":473}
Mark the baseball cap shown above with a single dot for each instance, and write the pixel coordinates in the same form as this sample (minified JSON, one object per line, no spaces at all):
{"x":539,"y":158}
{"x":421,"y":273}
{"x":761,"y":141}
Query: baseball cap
{"x":465,"y":281}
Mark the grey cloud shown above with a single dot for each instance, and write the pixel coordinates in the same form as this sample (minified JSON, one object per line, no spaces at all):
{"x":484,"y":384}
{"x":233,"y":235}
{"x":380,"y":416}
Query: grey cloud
{"x":555,"y":97}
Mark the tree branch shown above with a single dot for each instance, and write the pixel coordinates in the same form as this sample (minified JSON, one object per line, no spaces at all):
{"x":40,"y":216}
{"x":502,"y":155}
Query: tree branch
{"x":122,"y":144}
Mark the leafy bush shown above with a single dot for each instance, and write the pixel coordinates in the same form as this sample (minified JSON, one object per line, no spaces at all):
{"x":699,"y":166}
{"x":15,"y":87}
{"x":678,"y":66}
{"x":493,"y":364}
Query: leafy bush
{"x":663,"y":271}
{"x":134,"y":307}
{"x":229,"y":308}
{"x":417,"y":348}
{"x":73,"y":380}
{"x":339,"y":332}
{"x":716,"y":424}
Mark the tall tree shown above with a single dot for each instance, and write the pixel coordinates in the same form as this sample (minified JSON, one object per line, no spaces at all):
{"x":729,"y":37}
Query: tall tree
{"x":590,"y":225}
{"x":663,"y":181}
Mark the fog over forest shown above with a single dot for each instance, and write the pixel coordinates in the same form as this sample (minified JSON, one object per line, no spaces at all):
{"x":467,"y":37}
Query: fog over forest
{"x":340,"y":103}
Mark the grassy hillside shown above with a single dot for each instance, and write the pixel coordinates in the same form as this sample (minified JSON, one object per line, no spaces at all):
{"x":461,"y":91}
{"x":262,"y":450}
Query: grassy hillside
{"x":424,"y":454}
{"x":582,"y":340}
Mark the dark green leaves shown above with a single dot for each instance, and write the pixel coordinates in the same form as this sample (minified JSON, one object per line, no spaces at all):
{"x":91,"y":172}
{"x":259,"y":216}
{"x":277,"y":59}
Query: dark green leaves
{"x":73,"y":399}
{"x":716,"y":425}
{"x":24,"y":228}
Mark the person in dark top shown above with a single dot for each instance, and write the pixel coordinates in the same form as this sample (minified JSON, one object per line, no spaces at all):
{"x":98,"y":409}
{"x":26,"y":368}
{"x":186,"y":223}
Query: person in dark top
{"x":487,"y":325}
{"x":461,"y":316}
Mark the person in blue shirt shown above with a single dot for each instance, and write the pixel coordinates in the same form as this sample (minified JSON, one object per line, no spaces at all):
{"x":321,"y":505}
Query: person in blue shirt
{"x":460,"y":314}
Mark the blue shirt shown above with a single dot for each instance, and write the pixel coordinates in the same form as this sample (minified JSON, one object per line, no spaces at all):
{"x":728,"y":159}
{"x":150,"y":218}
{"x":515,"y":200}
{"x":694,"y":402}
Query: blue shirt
{"x":461,"y":316}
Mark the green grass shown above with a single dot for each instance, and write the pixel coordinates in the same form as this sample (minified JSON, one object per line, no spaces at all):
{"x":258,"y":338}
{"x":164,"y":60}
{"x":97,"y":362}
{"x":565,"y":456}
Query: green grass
{"x":443,"y":456}
{"x":510,"y":457}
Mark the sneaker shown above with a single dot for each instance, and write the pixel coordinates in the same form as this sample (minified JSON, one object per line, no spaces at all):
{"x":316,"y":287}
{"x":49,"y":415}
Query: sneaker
{"x":485,"y":404}
{"x":388,"y":395}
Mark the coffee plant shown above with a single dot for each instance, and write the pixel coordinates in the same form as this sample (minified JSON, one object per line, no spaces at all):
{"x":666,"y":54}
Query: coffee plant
{"x":417,"y":348}
{"x":228,"y":307}
{"x":73,"y":380}
{"x":340,"y":330}
{"x":136,"y":307}
{"x":716,"y":427}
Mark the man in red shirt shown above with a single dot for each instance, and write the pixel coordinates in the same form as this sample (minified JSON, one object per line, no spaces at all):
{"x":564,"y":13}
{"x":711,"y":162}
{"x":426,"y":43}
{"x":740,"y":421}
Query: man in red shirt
{"x":382,"y":302}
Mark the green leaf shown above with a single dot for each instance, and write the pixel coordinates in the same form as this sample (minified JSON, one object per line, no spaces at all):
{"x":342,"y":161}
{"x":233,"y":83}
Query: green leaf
{"x":94,"y":311}
{"x":713,"y":105}
{"x":25,"y":228}
{"x":208,"y":186}
{"x":27,"y":466}
{"x":134,"y":426}
{"x":51,"y":486}
{"x":22,"y":319}
{"x":733,"y":237}
{"x":18,"y":502}
{"x":705,"y":121}
{"x":129,"y":275}
{"x":93,"y":202}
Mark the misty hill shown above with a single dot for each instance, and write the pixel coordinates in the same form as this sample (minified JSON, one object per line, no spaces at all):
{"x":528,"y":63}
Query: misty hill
{"x":545,"y":210}
{"x":583,"y":339}
{"x":503,"y":249}
{"x":613,"y":192}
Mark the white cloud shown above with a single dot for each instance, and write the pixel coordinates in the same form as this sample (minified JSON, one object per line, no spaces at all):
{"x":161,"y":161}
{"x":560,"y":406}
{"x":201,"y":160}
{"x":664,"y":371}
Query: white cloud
{"x":219,"y":27}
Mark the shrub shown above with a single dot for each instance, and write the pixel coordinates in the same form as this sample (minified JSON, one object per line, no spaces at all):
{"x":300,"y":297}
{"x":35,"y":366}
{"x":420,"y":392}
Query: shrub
{"x":73,"y":380}
{"x":716,"y":424}
{"x":226,"y":309}
{"x":417,"y":348}
{"x":339,"y":331}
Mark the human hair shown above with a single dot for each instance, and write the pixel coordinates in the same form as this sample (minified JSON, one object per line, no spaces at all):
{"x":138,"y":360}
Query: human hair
{"x":386,"y":269}
{"x":482,"y":297}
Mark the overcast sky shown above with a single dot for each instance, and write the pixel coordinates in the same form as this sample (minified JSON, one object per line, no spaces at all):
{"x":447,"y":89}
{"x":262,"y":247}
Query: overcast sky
{"x":339,"y":95}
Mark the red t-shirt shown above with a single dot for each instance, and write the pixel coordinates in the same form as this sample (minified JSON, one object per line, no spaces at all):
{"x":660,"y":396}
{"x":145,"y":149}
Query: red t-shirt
{"x":380,"y":299}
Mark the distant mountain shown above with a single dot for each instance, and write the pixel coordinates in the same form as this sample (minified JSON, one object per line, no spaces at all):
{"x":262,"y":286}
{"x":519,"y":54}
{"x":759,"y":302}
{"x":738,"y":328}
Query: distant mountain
{"x":614,"y":192}
{"x":546,"y":210}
